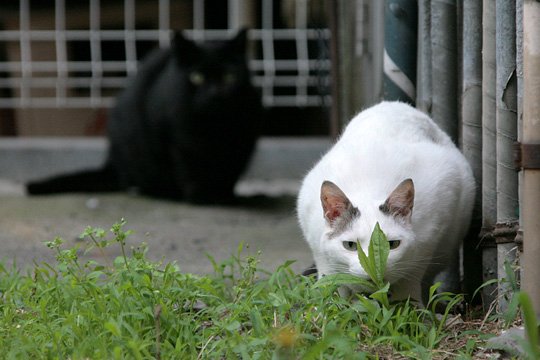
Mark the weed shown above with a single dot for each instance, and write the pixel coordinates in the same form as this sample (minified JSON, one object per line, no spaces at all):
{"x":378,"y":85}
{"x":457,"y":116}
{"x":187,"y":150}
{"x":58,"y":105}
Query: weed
{"x":135,"y":308}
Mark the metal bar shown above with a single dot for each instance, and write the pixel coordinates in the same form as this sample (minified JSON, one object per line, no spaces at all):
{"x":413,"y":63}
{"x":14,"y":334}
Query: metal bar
{"x":61,"y":52}
{"x":164,"y":23}
{"x":129,"y":37}
{"x":85,"y":102}
{"x":210,"y":34}
{"x":302,"y":56}
{"x":269,"y":65}
{"x":198,"y":20}
{"x":254,"y":65}
{"x":95,"y":51}
{"x":233,"y":13}
{"x":26,"y":50}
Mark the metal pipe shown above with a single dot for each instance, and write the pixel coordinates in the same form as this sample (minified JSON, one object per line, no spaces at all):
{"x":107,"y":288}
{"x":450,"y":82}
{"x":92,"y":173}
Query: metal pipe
{"x":531,"y":135}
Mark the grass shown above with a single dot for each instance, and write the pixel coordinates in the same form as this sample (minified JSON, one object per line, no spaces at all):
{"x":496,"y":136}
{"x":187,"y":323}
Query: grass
{"x":132,"y":308}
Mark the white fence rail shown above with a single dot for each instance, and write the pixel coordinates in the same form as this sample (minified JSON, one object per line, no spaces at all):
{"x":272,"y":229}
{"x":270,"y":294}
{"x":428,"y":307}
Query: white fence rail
{"x":29,"y":81}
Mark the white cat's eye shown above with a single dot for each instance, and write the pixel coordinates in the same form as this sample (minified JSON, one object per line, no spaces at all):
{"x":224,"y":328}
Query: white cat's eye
{"x":394,"y":244}
{"x":350,"y":245}
{"x":196,"y":78}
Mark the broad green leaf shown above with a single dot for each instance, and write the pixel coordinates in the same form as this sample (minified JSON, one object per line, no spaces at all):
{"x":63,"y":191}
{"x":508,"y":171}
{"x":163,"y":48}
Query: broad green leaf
{"x":378,"y":253}
{"x":365,"y":262}
{"x":382,"y":295}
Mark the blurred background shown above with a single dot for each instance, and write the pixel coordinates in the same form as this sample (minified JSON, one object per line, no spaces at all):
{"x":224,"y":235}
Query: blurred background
{"x":63,"y":62}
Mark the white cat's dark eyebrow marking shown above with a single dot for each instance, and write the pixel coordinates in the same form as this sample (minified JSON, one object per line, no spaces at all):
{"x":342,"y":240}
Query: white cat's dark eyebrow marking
{"x":385,"y":209}
{"x":343,"y":222}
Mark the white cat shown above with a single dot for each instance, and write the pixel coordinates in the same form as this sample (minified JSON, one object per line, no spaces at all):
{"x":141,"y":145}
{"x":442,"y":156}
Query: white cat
{"x":392,"y":165}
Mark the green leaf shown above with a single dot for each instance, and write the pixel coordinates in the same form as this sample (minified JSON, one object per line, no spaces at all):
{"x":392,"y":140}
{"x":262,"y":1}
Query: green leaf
{"x":531,"y":324}
{"x":378,"y":253}
{"x":381,"y":295}
{"x":365,"y":262}
{"x":344,"y":279}
{"x":113,"y":328}
{"x":235,"y":325}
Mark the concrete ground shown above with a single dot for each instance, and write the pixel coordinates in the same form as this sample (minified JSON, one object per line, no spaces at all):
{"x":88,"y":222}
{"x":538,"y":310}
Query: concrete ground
{"x":264,"y":220}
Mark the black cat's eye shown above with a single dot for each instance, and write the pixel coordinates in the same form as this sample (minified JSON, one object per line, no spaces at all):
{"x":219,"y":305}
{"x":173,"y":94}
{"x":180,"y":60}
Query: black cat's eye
{"x":229,"y":78}
{"x":196,"y":78}
{"x":394,"y":244}
{"x":350,"y":245}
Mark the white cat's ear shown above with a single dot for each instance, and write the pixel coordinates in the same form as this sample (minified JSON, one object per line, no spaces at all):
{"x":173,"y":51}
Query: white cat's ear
{"x":401,"y":200}
{"x":334,"y":202}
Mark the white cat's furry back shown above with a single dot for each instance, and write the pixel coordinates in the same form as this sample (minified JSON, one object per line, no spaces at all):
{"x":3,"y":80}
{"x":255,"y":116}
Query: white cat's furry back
{"x":365,"y":176}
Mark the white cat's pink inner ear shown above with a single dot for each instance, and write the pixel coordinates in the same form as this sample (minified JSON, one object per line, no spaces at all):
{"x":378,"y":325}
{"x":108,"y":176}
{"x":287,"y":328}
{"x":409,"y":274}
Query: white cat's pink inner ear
{"x":334,"y":201}
{"x":401,"y":200}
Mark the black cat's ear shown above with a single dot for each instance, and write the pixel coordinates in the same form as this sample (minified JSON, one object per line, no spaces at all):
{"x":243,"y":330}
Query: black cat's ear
{"x":401,"y":200}
{"x":239,"y":42}
{"x":186,"y":50}
{"x":335,"y":203}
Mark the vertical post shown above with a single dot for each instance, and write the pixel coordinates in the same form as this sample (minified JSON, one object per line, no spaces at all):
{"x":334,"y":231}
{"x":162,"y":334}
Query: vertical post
{"x":95,"y":52}
{"x":423,"y":72}
{"x":444,"y":65}
{"x":164,"y":23}
{"x":506,"y":124}
{"x":471,"y":133}
{"x":26,"y":51}
{"x":61,"y":52}
{"x":531,"y":135}
{"x":444,"y":72}
{"x":351,"y":77}
{"x":489,"y":177}
{"x":399,"y":66}
{"x":519,"y":71}
{"x":332,"y":8}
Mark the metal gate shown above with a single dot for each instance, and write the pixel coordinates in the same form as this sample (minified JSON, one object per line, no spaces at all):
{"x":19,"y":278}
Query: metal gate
{"x":60,"y":54}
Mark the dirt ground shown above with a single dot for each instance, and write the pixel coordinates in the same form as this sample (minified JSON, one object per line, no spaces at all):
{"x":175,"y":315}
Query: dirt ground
{"x":173,"y":231}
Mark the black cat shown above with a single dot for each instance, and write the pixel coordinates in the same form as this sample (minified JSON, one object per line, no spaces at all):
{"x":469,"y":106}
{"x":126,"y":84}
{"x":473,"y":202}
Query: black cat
{"x":184,"y":128}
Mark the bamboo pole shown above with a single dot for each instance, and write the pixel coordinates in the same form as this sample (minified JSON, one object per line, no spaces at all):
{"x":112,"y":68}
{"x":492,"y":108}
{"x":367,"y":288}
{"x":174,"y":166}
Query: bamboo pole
{"x":444,"y":65}
{"x":471,"y":133}
{"x":531,"y":135}
{"x":423,"y":70}
{"x":506,"y":123}
{"x":519,"y":71}
{"x":489,"y":174}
